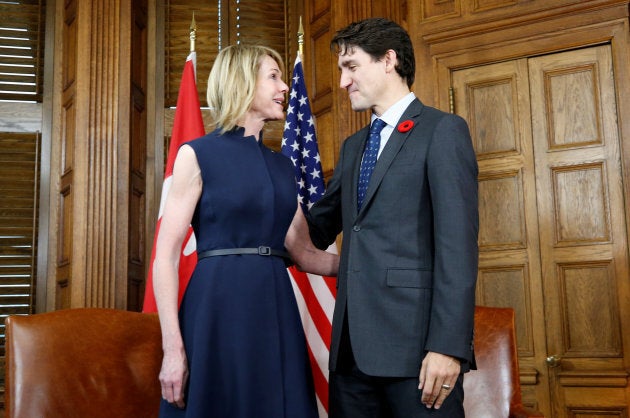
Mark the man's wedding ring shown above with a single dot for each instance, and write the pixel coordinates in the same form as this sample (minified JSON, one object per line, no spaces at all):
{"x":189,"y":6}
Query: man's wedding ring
{"x":446,"y":387}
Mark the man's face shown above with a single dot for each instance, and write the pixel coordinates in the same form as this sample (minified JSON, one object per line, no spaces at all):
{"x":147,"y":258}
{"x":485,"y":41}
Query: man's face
{"x":362,"y":77}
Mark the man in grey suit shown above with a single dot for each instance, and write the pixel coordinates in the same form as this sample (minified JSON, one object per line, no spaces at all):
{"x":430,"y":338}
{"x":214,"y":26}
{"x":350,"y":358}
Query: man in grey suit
{"x":404,"y":194}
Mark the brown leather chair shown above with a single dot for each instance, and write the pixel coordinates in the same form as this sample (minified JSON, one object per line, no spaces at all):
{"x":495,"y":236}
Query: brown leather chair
{"x":494,"y":389}
{"x":87,"y":362}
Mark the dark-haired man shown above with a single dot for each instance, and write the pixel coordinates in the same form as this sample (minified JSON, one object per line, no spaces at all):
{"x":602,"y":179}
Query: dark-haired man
{"x":404,"y":194}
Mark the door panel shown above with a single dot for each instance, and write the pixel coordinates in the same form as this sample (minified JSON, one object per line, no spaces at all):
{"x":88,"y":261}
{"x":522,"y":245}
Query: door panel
{"x":582,"y":226}
{"x":552,"y":238}
{"x":494,"y":99}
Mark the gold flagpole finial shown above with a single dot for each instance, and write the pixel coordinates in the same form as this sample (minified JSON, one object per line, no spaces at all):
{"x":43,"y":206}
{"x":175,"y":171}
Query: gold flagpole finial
{"x":300,"y":38}
{"x":193,"y":33}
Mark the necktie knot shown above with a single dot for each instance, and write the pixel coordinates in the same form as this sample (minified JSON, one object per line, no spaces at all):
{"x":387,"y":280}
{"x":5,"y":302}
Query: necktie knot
{"x":377,"y":126}
{"x":370,"y":155}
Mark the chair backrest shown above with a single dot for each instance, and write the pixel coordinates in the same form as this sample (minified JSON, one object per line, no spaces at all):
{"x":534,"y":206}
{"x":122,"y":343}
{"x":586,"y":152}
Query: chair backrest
{"x":494,"y":389}
{"x":87,"y":362}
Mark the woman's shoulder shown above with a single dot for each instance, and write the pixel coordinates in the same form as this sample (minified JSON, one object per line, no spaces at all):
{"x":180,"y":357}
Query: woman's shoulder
{"x":202,"y":140}
{"x":211,"y":140}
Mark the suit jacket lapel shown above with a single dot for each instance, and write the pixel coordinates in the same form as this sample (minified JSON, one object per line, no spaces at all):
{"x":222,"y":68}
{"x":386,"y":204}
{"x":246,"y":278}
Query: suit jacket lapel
{"x":393,"y":146}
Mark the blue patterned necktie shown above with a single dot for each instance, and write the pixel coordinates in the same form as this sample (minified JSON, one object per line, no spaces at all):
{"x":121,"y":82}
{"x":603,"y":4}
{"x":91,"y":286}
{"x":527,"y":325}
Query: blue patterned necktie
{"x":369,"y":159}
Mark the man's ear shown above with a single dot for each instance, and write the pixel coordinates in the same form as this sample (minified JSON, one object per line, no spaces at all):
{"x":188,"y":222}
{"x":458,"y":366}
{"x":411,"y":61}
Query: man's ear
{"x":391,"y":58}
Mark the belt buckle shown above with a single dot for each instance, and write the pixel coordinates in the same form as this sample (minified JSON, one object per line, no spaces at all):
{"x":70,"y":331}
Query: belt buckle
{"x":264,"y":250}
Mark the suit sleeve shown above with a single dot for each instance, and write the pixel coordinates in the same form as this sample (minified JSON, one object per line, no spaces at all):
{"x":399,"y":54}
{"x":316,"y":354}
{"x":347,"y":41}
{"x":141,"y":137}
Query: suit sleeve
{"x":324,"y":218}
{"x":452,"y":174}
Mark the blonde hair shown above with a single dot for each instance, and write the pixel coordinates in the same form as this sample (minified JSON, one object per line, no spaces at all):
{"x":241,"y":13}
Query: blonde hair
{"x":232,"y":82}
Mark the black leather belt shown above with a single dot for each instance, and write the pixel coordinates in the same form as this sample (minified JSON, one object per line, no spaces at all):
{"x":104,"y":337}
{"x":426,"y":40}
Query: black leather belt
{"x":262,"y":250}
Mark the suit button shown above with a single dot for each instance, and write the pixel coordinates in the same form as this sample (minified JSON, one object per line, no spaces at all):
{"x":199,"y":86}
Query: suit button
{"x":356,"y":228}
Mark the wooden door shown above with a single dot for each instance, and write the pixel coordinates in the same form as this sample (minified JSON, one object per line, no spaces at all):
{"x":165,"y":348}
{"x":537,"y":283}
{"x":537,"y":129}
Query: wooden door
{"x":495,"y":101}
{"x":553,"y":240}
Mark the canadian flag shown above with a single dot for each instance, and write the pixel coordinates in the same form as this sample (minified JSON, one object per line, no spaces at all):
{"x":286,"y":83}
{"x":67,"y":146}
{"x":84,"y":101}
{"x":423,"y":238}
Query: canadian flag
{"x":188,"y":125}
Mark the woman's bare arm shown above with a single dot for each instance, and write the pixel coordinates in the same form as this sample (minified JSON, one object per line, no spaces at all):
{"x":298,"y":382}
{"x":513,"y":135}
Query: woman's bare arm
{"x":305,"y":255}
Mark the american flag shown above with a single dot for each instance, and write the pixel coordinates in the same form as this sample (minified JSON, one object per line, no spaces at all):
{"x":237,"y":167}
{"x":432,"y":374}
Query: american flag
{"x":315,"y":294}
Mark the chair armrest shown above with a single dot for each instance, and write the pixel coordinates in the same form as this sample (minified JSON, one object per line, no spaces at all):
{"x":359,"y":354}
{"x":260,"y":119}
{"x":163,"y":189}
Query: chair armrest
{"x":525,"y":412}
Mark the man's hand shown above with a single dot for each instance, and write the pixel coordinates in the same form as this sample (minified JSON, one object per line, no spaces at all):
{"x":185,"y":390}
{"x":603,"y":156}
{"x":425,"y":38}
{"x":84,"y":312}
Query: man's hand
{"x":438,"y":376}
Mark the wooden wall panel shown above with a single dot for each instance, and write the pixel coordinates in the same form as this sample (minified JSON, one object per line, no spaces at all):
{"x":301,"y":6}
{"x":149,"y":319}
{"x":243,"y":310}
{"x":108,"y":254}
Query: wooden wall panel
{"x":317,"y":9}
{"x":508,"y":285}
{"x":137,"y":242}
{"x":102,"y":139}
{"x":326,"y":142}
{"x":434,"y":9}
{"x":582,"y":214}
{"x":501,"y":193}
{"x":98,"y":173}
{"x":573,"y":116}
{"x":580,"y":338}
{"x":485,"y":5}
{"x":69,"y":40}
{"x":66,"y":152}
{"x":318,"y":72}
{"x":322,"y":75}
{"x":493,"y":132}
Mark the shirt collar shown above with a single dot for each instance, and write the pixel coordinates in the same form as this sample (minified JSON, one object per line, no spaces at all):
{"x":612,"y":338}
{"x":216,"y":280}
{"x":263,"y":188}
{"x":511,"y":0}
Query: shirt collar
{"x":392,"y":115}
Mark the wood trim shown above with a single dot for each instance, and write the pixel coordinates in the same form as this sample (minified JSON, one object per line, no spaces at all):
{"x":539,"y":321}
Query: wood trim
{"x":477,"y":22}
{"x":574,"y":34}
{"x":155,"y":121}
{"x":46,"y":158}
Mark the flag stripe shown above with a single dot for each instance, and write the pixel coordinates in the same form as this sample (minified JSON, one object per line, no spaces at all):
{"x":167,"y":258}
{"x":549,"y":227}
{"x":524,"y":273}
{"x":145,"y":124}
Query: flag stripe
{"x":325,"y":289}
{"x":315,"y":309}
{"x":321,"y":383}
{"x":317,"y":349}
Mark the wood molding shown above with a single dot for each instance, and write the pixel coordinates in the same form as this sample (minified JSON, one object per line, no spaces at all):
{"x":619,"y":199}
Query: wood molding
{"x":519,"y":14}
{"x":90,"y":158}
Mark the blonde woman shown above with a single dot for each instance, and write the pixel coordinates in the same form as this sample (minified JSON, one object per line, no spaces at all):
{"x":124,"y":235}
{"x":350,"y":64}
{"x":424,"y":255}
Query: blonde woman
{"x":236,"y":346}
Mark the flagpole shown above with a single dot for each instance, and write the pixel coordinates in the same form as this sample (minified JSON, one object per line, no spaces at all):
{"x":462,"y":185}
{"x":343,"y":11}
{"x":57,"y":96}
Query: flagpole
{"x":193,"y":33}
{"x":300,"y":35}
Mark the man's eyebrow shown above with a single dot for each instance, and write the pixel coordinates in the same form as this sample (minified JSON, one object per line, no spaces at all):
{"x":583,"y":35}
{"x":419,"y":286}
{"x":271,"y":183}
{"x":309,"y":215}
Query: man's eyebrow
{"x":347,"y":63}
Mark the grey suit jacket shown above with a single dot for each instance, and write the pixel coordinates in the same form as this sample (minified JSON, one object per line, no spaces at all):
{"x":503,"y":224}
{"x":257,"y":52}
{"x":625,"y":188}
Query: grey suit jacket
{"x":409,"y":257}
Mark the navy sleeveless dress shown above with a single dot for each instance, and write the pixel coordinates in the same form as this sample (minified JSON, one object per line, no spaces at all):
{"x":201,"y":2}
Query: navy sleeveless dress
{"x":239,"y":320}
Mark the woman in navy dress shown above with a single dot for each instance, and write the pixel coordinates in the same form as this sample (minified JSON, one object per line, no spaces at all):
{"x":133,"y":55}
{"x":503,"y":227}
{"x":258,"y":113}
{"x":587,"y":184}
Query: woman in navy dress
{"x":236,"y":346}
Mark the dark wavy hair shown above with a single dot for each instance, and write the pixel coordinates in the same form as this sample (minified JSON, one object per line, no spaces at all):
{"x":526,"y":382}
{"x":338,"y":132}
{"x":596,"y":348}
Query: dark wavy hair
{"x":376,"y":36}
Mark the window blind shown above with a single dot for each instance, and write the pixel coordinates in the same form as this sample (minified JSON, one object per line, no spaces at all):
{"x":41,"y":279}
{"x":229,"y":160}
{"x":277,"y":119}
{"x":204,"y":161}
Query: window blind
{"x":19,"y":166}
{"x":21,"y":50}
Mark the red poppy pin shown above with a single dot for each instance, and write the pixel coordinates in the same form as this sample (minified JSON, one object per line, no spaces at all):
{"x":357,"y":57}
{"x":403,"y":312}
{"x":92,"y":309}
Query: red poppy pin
{"x":405,"y":126}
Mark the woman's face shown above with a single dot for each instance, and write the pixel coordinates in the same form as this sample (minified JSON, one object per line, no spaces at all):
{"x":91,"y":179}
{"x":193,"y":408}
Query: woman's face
{"x":270,"y":93}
